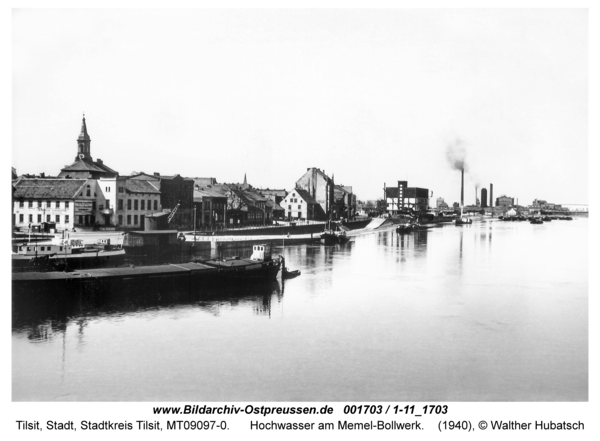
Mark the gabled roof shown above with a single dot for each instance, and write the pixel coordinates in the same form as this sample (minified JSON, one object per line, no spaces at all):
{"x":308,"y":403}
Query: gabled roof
{"x":140,"y":186}
{"x":48,"y":188}
{"x":272,"y":192}
{"x":305,"y":195}
{"x":98,"y":163}
{"x":254,"y":195}
{"x":274,"y":206}
{"x":209,"y":192}
{"x":80,"y":166}
{"x":175,"y":177}
{"x":204,"y":182}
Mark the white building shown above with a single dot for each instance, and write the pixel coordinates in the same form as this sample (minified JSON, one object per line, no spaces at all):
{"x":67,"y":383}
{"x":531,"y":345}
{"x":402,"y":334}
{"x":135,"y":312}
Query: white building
{"x":68,"y":203}
{"x":299,"y":204}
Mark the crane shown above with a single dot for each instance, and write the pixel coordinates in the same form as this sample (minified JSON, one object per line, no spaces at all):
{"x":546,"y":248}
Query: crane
{"x":172,"y":214}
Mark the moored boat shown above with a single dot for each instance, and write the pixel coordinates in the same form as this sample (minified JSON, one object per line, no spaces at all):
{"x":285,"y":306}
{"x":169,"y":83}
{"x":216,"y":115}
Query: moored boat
{"x":334,"y":234}
{"x":287,"y":274}
{"x":61,"y":254}
{"x":260,"y":265}
{"x":462,"y":220}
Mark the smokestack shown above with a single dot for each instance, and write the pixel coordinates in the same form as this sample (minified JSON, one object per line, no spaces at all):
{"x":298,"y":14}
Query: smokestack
{"x":476,"y":195}
{"x":491,"y":195}
{"x":462,"y":187}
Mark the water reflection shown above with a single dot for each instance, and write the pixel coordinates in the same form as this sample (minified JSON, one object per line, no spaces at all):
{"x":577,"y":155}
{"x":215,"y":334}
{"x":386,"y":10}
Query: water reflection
{"x":476,"y":322}
{"x":44,"y":315}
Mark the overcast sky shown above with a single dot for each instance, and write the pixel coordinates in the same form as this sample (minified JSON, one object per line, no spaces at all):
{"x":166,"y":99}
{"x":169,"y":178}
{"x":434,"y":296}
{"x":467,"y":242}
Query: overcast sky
{"x":370,"y":96}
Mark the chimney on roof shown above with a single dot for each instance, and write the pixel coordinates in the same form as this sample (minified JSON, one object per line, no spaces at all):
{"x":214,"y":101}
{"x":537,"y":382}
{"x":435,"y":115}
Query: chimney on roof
{"x":156,"y":174}
{"x":99,"y":161}
{"x":42,"y":175}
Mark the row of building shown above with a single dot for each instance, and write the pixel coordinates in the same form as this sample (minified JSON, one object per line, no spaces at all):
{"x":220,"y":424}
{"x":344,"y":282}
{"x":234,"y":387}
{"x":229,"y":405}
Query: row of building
{"x":88,"y":194}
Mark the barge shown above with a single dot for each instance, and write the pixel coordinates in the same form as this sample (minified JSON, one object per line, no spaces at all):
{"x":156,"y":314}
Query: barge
{"x":260,"y":266}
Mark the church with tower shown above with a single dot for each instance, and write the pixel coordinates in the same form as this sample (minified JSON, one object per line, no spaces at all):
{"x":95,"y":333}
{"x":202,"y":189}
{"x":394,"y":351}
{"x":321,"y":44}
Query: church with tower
{"x":84,"y":166}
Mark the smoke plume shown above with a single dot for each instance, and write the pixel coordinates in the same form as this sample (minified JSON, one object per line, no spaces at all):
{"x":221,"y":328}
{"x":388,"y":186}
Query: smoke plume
{"x":457,"y":154}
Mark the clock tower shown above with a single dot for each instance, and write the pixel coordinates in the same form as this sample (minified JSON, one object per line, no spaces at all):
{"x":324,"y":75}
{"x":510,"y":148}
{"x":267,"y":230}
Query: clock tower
{"x":83,"y":144}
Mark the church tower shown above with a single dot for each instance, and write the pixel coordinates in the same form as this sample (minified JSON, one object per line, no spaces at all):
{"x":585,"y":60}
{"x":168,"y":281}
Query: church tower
{"x":83,"y":144}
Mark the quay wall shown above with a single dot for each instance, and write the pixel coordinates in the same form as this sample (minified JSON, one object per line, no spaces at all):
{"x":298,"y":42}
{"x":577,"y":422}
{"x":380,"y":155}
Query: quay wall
{"x":280,"y":230}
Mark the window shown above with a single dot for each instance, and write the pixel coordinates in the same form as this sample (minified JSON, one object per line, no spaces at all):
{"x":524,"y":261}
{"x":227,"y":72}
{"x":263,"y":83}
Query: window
{"x":39,"y":218}
{"x":149,"y":204}
{"x":107,"y":204}
{"x":20,"y":218}
{"x":299,"y":207}
{"x":143,"y":204}
{"x":30,"y":218}
{"x":39,"y":204}
{"x":135,"y":219}
{"x":155,"y":205}
{"x":107,"y":189}
{"x":57,"y":204}
{"x":48,"y":204}
{"x":120,"y":220}
{"x":48,"y":218}
{"x":58,"y":218}
{"x":100,"y":207}
{"x":120,"y":205}
{"x":80,"y":220}
{"x":66,"y":219}
{"x":66,"y":204}
{"x":289,"y":207}
{"x":30,"y":204}
{"x":129,"y":219}
{"x":21,"y":204}
{"x":129,"y":204}
{"x":88,"y":191}
{"x":135,"y":205}
{"x":93,"y":205}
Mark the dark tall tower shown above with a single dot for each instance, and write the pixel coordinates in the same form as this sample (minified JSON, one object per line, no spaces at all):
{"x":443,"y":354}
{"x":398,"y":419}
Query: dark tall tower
{"x":83,"y":143}
{"x":462,"y":187}
{"x":484,"y":203}
{"x":491,"y":195}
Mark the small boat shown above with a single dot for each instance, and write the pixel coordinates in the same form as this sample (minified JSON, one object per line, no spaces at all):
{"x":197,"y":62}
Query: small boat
{"x":462,"y":220}
{"x":287,"y":274}
{"x":69,"y":252}
{"x":537,"y":220}
{"x":404,"y":228}
{"x":260,"y":265}
{"x":342,"y":237}
{"x":334,"y":234}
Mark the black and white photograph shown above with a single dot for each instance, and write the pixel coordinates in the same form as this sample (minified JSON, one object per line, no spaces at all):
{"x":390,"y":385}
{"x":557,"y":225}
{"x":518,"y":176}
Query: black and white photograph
{"x":384,"y":210}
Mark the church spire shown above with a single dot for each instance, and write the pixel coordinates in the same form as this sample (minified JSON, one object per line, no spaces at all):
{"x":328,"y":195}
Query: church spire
{"x":245,"y":181}
{"x":83,"y":143}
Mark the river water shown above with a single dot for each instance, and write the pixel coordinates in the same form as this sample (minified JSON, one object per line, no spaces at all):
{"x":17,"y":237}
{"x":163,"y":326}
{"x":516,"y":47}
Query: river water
{"x":494,"y":311}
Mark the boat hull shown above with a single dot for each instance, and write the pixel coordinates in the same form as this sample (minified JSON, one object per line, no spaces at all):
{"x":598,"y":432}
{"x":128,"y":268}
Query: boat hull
{"x":244,"y":268}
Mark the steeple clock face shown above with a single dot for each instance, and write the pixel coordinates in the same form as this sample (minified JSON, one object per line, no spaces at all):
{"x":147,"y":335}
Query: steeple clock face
{"x":81,"y":156}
